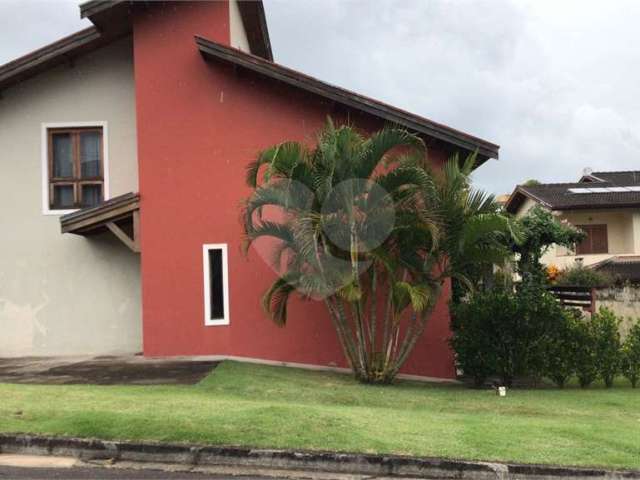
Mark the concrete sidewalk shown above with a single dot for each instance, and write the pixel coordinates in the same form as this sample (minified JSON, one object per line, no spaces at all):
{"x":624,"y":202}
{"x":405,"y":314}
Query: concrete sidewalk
{"x":33,"y":467}
{"x":291,"y":464}
{"x":104,"y":370}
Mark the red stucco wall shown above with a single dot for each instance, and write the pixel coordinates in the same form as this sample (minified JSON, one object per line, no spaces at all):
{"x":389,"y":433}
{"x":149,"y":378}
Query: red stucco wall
{"x":199,"y":124}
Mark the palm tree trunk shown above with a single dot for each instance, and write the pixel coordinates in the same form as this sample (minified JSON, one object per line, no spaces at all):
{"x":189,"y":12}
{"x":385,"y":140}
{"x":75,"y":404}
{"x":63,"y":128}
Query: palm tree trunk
{"x":344,"y":336}
{"x":410,"y":341}
{"x":373,"y":315}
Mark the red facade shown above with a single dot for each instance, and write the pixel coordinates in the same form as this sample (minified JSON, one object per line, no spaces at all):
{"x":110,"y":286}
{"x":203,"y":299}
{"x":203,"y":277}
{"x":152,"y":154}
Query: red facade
{"x":199,"y":124}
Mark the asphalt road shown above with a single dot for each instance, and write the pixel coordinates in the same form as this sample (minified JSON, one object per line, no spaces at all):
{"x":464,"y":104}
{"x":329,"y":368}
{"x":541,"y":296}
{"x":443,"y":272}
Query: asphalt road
{"x":80,"y":473}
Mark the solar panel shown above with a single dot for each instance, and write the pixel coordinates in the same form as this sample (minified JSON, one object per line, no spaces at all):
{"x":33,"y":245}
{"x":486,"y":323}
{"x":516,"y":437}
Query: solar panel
{"x":605,"y":189}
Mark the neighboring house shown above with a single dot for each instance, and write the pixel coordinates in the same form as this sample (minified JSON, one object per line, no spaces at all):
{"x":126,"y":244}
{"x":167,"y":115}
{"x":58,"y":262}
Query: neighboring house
{"x":171,"y":100}
{"x":606,"y":206}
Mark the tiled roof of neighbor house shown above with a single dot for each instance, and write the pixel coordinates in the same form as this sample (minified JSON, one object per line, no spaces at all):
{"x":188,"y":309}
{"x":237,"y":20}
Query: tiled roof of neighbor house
{"x":621,"y":267}
{"x":596,"y":190}
{"x":629,"y":177}
{"x":215,"y":51}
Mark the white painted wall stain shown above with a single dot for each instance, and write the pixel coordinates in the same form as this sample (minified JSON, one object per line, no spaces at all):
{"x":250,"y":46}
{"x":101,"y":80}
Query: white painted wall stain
{"x":20,"y":327}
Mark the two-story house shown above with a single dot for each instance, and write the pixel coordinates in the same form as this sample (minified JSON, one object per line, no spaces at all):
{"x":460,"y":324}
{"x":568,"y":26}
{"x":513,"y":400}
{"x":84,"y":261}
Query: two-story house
{"x":123,"y":151}
{"x":605,"y":205}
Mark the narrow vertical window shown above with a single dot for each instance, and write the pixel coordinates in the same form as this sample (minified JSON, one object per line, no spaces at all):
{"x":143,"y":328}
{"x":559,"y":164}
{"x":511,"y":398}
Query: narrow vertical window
{"x":216,"y":284}
{"x":76,"y":167}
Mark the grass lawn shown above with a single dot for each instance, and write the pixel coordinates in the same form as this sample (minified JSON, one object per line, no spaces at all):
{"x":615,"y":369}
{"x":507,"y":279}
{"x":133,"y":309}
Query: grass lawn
{"x":287,"y":408}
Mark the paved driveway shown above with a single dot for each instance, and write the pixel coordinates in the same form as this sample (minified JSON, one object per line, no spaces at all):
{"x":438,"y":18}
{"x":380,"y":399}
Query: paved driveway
{"x":105,"y":370}
{"x":77,"y":473}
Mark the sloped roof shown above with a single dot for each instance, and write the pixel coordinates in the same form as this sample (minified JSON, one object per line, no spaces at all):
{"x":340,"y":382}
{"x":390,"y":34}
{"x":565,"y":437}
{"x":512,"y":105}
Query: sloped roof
{"x":217,"y":52}
{"x":112,"y":20}
{"x":61,"y":51}
{"x":608,"y":193}
{"x":621,"y":267}
{"x":629,"y":177}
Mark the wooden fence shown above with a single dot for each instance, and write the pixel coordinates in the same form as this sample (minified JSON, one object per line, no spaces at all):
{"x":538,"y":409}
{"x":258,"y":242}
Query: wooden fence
{"x":576,"y":297}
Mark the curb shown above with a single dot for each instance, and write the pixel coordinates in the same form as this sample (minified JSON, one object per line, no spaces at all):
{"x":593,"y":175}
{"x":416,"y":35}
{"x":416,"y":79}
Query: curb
{"x":349,"y":463}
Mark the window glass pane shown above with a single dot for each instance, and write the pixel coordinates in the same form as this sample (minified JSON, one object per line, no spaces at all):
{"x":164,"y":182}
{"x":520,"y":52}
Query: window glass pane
{"x":216,"y":284}
{"x":62,"y":197}
{"x":90,"y":154}
{"x":91,"y":195}
{"x":62,"y":155}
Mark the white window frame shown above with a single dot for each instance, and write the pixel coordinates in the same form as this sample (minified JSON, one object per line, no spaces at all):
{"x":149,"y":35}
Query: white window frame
{"x":44,"y":153}
{"x":208,"y":321}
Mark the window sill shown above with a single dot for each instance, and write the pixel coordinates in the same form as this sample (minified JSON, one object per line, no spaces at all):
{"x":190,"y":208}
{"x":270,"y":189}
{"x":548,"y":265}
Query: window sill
{"x":216,"y":323}
{"x":59,"y":212}
{"x":583,"y":255}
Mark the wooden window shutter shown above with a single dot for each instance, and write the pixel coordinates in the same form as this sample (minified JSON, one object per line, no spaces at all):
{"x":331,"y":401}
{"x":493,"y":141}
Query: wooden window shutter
{"x":596,"y":240}
{"x":599,"y":242}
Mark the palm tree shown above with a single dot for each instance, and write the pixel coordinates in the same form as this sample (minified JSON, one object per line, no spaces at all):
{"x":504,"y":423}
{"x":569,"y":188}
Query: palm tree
{"x":358,"y":223}
{"x":476,"y":234}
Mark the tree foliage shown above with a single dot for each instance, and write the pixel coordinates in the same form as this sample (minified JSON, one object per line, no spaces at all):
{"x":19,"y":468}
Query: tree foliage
{"x":538,"y":230}
{"x":366,"y":226}
{"x":532,"y":182}
{"x":605,"y":325}
{"x":562,"y":346}
{"x":581,"y":276}
{"x":631,"y":355}
{"x":476,"y":233}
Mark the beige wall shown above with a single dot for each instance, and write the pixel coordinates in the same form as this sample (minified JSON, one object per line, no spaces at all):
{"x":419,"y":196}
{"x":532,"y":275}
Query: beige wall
{"x":66,"y":294}
{"x":624,"y":302}
{"x":527,"y":205}
{"x":237,"y":32}
{"x":620,"y":235}
{"x":623,"y":231}
{"x":636,"y":231}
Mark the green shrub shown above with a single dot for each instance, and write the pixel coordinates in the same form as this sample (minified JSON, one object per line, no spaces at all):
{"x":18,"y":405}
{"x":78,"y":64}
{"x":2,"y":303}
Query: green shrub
{"x":561,"y":347}
{"x":472,"y":321}
{"x":582,"y":276}
{"x":585,"y":356}
{"x":631,"y":355}
{"x":504,"y":333}
{"x":605,"y":325}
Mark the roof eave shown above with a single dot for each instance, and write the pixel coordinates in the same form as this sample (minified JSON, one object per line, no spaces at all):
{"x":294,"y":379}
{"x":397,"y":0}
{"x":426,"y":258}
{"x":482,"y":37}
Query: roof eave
{"x":46,"y":57}
{"x":214,"y":51}
{"x":255,"y":23}
{"x":93,"y":7}
{"x":112,"y":16}
{"x":100,"y":12}
{"x":609,"y":206}
{"x":517,"y":197}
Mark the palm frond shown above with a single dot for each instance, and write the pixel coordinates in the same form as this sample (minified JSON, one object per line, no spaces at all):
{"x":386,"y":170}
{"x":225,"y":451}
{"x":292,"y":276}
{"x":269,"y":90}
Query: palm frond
{"x":380,"y":144}
{"x":276,"y":299}
{"x":283,"y":194}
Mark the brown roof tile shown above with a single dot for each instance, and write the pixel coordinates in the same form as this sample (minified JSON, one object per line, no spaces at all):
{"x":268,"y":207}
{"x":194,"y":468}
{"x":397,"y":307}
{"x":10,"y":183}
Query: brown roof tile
{"x":559,"y":196}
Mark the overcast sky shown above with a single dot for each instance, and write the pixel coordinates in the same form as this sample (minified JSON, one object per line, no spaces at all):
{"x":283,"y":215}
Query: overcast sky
{"x":554,"y":83}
